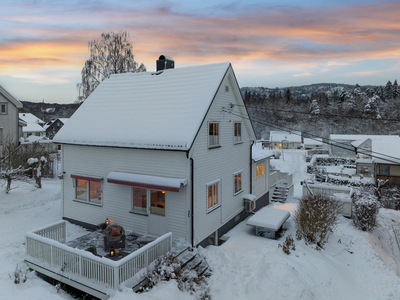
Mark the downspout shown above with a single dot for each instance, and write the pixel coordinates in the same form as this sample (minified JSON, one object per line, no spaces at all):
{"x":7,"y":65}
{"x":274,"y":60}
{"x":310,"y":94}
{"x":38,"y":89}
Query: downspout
{"x":192,"y":196}
{"x":251,"y":167}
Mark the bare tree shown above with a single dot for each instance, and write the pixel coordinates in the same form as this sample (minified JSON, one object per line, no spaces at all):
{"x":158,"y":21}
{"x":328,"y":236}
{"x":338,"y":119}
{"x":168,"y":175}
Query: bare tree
{"x":112,"y":54}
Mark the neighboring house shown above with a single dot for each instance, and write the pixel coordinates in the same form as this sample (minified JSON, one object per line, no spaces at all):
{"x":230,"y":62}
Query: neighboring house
{"x":10,"y":124}
{"x":172,"y":153}
{"x":54,"y":126}
{"x":315,"y":143}
{"x":285,"y":140}
{"x":386,"y":159}
{"x":34,"y":125}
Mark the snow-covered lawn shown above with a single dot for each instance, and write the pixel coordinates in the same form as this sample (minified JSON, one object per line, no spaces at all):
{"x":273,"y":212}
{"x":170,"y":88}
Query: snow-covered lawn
{"x":353,"y":265}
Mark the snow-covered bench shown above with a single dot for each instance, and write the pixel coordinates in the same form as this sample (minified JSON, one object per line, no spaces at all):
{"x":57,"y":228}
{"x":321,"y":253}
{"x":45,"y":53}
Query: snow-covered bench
{"x":268,"y":221}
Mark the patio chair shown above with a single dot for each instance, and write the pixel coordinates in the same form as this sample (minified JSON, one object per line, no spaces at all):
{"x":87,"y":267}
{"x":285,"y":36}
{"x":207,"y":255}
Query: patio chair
{"x":114,"y":235}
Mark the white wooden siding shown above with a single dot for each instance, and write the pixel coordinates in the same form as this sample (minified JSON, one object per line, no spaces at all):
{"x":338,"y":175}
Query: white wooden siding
{"x":220,"y":163}
{"x":117,"y":199}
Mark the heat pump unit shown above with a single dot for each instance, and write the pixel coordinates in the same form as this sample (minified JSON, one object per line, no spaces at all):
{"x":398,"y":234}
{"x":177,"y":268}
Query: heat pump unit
{"x":249,"y":205}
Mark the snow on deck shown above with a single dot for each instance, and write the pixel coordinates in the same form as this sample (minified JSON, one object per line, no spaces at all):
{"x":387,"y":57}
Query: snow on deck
{"x":270,"y":218}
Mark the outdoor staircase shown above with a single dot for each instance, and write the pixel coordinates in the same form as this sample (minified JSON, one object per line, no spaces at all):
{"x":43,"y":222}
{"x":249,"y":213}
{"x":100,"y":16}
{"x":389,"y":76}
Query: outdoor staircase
{"x":188,"y":258}
{"x":281,"y":192}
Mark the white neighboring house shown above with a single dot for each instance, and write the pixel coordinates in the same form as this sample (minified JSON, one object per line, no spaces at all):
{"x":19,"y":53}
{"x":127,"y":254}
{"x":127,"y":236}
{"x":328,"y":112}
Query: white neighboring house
{"x":10,"y":124}
{"x":165,"y":151}
{"x":34,"y":125}
{"x":285,"y":140}
{"x":315,"y":143}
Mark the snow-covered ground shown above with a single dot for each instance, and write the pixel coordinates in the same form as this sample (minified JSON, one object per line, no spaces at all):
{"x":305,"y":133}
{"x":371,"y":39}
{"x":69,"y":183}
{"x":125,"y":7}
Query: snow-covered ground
{"x":353,"y":265}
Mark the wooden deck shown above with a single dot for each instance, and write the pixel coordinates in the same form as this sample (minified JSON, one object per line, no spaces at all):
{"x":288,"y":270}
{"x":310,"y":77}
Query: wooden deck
{"x":48,"y":253}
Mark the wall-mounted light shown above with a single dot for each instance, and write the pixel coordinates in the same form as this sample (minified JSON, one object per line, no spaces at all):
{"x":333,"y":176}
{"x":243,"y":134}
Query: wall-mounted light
{"x":107,"y":221}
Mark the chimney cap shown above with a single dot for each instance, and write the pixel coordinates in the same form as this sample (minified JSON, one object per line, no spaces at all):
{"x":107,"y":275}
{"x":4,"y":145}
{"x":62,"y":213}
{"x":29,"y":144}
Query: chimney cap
{"x":165,"y":57}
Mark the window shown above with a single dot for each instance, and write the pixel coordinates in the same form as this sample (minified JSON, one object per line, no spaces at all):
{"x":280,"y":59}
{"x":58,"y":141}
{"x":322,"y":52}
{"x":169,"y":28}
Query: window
{"x":238,"y":182}
{"x":237,"y":132}
{"x":213,"y":135}
{"x":260,"y":170}
{"x":384,"y":170}
{"x":87,"y":189}
{"x":3,"y":108}
{"x":157,"y":202}
{"x":226,"y":88}
{"x":212,"y":195}
{"x":140,"y":199}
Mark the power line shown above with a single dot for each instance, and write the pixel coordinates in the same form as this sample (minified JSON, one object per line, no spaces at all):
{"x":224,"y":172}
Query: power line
{"x":332,"y":143}
{"x":326,"y":115}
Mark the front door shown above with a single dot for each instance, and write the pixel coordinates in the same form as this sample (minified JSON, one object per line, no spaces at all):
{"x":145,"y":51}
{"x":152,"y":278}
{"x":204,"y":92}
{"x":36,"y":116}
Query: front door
{"x":157,"y":213}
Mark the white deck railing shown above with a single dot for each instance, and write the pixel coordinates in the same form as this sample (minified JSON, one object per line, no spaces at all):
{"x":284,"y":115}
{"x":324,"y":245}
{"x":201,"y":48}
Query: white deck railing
{"x":44,"y":248}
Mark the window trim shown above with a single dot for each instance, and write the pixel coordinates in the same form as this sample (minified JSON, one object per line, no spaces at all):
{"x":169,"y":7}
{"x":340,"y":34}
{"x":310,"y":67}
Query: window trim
{"x":75,"y":177}
{"x":6,"y":108}
{"x":148,"y":201}
{"x":234,"y":183}
{"x":213,"y":183}
{"x":262,"y":171}
{"x":235,"y":140}
{"x":217,"y":129}
{"x":136,"y":211}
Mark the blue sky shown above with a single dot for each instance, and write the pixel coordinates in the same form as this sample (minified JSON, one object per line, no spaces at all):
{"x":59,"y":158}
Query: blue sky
{"x":43,"y":44}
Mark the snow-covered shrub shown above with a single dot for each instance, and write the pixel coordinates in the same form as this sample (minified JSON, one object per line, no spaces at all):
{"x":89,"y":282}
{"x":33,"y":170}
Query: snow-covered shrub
{"x":37,"y":166}
{"x":288,"y":245}
{"x":167,"y":267}
{"x":365,"y":209}
{"x":315,"y":218}
{"x":19,"y":275}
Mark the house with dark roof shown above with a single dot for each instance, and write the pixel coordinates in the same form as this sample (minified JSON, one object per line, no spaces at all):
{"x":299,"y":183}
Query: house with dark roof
{"x":164,"y":151}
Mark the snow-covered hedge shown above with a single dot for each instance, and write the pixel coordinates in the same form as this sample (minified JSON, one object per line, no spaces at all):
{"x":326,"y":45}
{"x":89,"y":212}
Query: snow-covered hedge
{"x":315,"y":218}
{"x":365,"y":210}
{"x":339,"y":180}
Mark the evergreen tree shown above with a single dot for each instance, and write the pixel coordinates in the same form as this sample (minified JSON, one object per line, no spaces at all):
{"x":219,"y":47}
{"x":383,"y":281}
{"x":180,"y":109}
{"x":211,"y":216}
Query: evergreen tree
{"x":396,"y":92}
{"x":314,"y":111}
{"x":288,"y":96}
{"x":388,"y":91}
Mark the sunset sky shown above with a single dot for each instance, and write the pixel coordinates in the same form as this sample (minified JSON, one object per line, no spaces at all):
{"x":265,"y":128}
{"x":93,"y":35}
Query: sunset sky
{"x":277,"y":43}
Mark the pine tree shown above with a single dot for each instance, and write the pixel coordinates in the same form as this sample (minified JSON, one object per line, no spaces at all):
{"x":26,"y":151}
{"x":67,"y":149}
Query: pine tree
{"x":388,"y":91}
{"x":396,"y":92}
{"x":314,"y":111}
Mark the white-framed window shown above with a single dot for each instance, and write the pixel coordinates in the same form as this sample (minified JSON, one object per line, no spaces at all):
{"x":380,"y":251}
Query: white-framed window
{"x":260,"y":170}
{"x":213,"y":134}
{"x":87,"y":189}
{"x":238,"y":182}
{"x":3,"y":108}
{"x":237,"y":135}
{"x":212,"y":195}
{"x":139,"y":198}
{"x":140,"y":201}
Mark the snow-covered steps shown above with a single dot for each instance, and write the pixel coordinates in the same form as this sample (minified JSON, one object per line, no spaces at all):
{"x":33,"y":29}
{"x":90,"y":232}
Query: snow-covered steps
{"x":280,"y":193}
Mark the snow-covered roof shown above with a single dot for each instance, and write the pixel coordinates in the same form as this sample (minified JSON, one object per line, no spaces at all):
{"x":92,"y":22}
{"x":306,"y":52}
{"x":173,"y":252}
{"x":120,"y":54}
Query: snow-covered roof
{"x":386,"y":151}
{"x":258,"y":153}
{"x":155,"y":110}
{"x":8,"y":96}
{"x":32,"y":127}
{"x":270,"y":218}
{"x":30,"y":118}
{"x":64,"y":120}
{"x":357,"y":143}
{"x":279,"y":136}
{"x":313,"y":141}
{"x":354,"y":137}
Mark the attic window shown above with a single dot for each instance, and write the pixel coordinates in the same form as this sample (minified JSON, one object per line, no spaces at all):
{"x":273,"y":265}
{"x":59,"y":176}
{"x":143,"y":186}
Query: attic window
{"x":226,"y":88}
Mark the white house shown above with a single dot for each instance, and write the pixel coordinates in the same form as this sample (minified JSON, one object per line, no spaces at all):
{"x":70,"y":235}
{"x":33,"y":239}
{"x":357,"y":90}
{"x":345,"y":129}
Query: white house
{"x":34,"y":125}
{"x":285,"y":140}
{"x":311,"y":143}
{"x":165,"y":151}
{"x":10,"y":124}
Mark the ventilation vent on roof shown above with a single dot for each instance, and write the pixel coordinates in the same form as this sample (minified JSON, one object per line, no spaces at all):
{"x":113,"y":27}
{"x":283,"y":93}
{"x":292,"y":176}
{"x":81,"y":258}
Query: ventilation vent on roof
{"x":157,"y":73}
